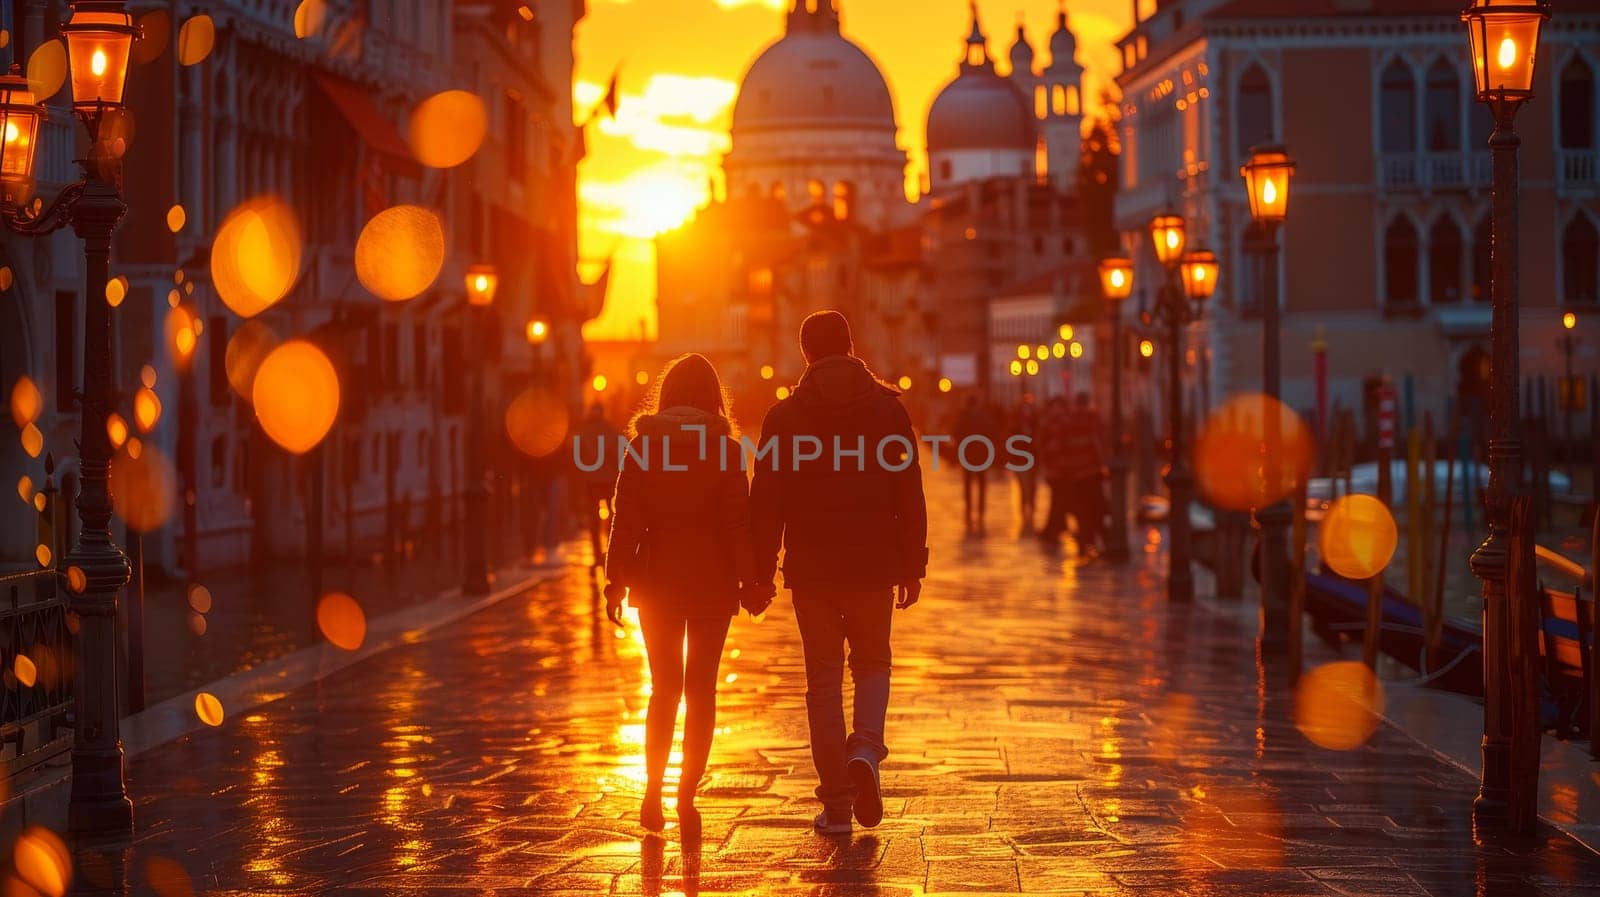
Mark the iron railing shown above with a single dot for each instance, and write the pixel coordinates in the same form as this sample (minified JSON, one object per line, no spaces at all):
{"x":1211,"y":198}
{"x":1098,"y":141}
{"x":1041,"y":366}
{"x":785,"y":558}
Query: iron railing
{"x":36,"y":645}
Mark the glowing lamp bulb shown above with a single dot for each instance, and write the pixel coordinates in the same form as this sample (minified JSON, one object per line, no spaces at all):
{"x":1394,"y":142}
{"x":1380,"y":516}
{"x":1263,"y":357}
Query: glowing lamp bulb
{"x":1269,"y":193}
{"x":1172,"y":239}
{"x":481,"y":283}
{"x":11,"y":132}
{"x":98,"y":63}
{"x":1508,"y":53}
{"x":1569,"y":320}
{"x":1119,"y":279}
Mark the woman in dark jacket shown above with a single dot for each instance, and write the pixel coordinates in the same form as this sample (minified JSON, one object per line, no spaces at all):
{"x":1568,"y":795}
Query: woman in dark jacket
{"x":681,"y":554}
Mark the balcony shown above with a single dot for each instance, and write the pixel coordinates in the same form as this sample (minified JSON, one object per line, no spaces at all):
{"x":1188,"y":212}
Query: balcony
{"x":1433,"y":172}
{"x":1577,"y":170}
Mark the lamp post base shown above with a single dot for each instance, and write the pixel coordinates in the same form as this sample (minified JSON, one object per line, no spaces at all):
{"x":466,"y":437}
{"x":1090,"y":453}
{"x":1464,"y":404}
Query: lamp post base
{"x":1275,"y":521}
{"x":1180,"y":577}
{"x":475,"y":571}
{"x":1117,"y":536}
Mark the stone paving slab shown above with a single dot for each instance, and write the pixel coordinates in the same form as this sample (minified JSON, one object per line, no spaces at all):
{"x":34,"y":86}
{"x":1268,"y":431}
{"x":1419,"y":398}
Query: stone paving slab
{"x":1056,"y":729}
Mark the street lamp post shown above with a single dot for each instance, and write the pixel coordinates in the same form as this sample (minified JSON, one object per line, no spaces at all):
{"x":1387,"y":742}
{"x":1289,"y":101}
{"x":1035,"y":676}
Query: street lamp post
{"x":1116,"y":280}
{"x":482,"y":282}
{"x":99,"y":37}
{"x":1504,"y":40}
{"x":1168,"y":234}
{"x":1267,"y":177}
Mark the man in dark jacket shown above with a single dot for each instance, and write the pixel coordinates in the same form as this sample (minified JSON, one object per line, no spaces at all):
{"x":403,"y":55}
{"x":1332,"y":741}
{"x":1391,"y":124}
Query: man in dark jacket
{"x":843,"y":497}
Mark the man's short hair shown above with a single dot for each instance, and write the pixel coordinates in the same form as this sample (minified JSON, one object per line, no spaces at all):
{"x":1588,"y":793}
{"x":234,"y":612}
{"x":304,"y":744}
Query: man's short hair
{"x":825,"y":333}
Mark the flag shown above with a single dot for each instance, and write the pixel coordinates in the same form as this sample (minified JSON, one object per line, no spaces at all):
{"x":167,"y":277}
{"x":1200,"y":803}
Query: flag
{"x":611,"y":93}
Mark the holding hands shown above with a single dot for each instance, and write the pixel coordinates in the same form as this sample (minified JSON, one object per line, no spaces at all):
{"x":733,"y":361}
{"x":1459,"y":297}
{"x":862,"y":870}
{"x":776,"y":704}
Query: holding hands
{"x":756,"y":597}
{"x":615,"y":592}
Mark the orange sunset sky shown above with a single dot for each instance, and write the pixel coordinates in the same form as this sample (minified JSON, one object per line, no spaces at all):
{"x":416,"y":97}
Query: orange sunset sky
{"x":680,"y":63}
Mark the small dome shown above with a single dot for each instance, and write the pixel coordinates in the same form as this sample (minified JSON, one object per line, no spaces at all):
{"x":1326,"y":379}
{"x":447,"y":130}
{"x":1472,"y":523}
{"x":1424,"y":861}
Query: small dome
{"x":980,"y":110}
{"x":1021,"y":54}
{"x":1063,"y":44}
{"x":813,"y":78}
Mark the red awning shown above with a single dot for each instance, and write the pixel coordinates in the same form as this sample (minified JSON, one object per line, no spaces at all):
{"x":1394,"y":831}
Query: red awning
{"x":355,"y":103}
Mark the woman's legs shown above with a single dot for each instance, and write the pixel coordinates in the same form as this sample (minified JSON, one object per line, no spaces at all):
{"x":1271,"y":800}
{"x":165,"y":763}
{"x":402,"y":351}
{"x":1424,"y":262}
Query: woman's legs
{"x":663,"y":645}
{"x":701,"y":672}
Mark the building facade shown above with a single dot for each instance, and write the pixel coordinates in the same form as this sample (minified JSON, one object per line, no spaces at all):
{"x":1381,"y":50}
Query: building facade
{"x":315,"y":113}
{"x":1387,"y":244}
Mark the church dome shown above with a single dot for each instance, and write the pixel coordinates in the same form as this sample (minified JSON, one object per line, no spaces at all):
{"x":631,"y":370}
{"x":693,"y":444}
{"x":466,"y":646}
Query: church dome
{"x":813,"y":78}
{"x":980,"y":111}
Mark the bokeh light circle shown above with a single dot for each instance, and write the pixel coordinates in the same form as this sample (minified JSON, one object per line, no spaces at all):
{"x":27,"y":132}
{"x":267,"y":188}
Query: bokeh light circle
{"x":537,"y":422}
{"x":255,"y":257}
{"x":42,"y":861}
{"x":1338,"y":705}
{"x":155,"y":28}
{"x":26,"y":401}
{"x":1231,"y":458}
{"x":247,"y":348}
{"x":47,"y":70}
{"x":400,"y":252}
{"x":116,"y":290}
{"x":447,"y":128}
{"x":309,"y":18}
{"x":1358,"y":537}
{"x":342,"y":621}
{"x":144,"y":486}
{"x":296,"y":395}
{"x":208,"y":708}
{"x":195,"y":39}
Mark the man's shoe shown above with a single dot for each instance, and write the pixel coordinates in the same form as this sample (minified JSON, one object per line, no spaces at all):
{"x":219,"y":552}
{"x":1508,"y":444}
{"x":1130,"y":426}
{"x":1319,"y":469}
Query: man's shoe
{"x":869,"y":797}
{"x":828,"y":824}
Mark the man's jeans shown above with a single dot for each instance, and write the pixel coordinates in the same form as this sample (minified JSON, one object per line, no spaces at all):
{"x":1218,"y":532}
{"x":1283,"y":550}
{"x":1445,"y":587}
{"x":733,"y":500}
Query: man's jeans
{"x":829,"y":619}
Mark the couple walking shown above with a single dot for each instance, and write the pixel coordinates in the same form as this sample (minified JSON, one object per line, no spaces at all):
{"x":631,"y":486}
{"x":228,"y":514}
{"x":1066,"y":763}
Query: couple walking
{"x":692,"y":541}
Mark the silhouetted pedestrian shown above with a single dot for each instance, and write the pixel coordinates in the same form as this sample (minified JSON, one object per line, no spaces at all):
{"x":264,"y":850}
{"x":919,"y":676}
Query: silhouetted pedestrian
{"x":1025,"y":423}
{"x":975,"y":422}
{"x":1052,"y":455}
{"x":682,"y":556}
{"x":854,"y":530}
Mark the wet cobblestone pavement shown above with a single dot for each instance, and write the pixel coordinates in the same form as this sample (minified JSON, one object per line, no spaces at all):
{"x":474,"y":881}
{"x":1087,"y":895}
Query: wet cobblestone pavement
{"x":1054,"y":728}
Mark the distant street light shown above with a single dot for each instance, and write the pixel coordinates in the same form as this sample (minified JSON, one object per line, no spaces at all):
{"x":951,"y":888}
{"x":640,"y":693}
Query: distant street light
{"x":1267,"y":175}
{"x":482,"y":282}
{"x":1116,"y":282}
{"x":538,"y":331}
{"x":1503,"y":36}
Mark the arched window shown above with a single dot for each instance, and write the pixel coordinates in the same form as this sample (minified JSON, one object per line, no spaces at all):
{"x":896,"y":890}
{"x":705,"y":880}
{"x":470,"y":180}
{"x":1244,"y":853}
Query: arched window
{"x":1397,"y":109}
{"x":844,"y":199}
{"x":1058,"y":99}
{"x":1254,"y":122}
{"x":817,"y":191}
{"x":1073,"y":107}
{"x":1580,"y":260}
{"x":1481,"y":236}
{"x":1041,"y":102}
{"x":1442,"y":108}
{"x":1577,"y":105}
{"x":1444,"y":262}
{"x":1041,"y":160}
{"x":1400,"y":264}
